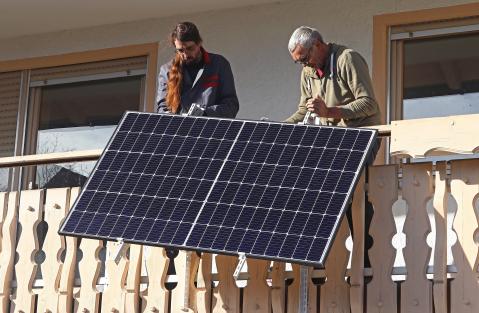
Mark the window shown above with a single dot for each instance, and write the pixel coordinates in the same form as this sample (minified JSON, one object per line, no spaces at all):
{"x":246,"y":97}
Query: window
{"x":440,"y":76}
{"x":69,"y":102}
{"x":77,"y":107}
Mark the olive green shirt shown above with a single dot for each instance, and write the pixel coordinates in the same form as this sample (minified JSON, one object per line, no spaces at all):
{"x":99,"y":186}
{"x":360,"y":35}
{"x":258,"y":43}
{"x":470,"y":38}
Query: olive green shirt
{"x":348,"y":86}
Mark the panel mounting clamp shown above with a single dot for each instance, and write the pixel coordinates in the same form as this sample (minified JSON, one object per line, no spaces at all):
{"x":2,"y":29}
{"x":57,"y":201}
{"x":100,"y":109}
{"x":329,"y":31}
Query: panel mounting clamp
{"x":241,"y":261}
{"x":122,"y":247}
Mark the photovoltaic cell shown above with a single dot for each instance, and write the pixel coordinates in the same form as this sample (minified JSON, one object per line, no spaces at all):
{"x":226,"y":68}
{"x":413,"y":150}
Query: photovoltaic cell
{"x":269,"y":190}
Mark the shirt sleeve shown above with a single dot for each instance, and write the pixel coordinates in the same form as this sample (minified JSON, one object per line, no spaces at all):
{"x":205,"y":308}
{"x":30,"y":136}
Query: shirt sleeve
{"x":354,"y":71}
{"x":161,"y":105}
{"x":305,"y":88}
{"x":227,"y":104}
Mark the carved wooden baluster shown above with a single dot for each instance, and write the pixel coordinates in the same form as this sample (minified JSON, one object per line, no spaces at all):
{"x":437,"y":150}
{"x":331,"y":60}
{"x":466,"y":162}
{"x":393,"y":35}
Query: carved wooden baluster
{"x":357,"y":258}
{"x":440,"y":251}
{"x":465,"y":190}
{"x":183,"y":297}
{"x":416,"y":291}
{"x":113,"y":298}
{"x":132,"y":285}
{"x":155,"y":297}
{"x":88,"y":296}
{"x":203,"y":283}
{"x":256,"y":296}
{"x":335,"y":291}
{"x":8,"y":238}
{"x":278,"y":287}
{"x":295,"y":287}
{"x":67,"y":275}
{"x":29,"y":215}
{"x":226,"y":296}
{"x":383,"y":192}
{"x":55,"y":210}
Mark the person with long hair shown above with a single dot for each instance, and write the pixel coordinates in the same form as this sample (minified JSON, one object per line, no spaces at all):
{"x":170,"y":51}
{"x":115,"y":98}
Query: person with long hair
{"x":195,"y":77}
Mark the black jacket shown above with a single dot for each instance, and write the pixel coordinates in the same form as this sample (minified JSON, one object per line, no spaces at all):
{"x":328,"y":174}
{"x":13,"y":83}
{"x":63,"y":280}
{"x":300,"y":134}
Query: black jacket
{"x":214,"y":89}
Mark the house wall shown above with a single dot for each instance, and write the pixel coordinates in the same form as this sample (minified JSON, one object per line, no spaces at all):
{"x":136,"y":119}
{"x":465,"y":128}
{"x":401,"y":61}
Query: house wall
{"x":254,"y":39}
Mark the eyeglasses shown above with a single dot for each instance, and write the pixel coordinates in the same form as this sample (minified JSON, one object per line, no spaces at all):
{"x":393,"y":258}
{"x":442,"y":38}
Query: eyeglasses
{"x":186,"y":49}
{"x":304,"y":60}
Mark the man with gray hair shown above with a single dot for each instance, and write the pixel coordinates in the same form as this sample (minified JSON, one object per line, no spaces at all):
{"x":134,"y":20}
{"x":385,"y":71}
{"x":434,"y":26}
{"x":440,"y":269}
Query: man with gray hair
{"x":335,"y":82}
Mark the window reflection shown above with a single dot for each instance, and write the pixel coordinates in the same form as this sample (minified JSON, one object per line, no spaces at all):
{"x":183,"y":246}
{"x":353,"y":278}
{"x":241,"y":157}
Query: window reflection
{"x":441,"y":76}
{"x":80,"y":116}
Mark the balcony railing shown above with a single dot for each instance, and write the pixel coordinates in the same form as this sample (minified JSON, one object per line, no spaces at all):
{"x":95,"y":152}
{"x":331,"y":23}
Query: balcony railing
{"x":424,"y":253}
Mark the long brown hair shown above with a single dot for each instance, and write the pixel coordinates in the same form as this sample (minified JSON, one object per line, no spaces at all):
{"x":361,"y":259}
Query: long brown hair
{"x":185,"y":31}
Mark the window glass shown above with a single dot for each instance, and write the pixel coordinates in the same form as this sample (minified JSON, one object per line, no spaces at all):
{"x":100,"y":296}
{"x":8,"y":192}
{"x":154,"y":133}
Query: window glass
{"x":80,"y":116}
{"x":441,"y":76}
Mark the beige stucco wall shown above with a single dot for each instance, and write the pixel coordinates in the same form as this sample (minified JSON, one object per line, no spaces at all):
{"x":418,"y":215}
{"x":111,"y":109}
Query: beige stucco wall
{"x":254,"y":39}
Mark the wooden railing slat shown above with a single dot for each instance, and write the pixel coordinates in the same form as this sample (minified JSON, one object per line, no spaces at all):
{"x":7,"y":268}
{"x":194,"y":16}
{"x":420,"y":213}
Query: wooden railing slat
{"x":29,"y":215}
{"x":335,"y":291}
{"x":416,"y":291}
{"x":357,"y":259}
{"x":226,"y":296}
{"x":382,"y":192}
{"x":204,"y":281}
{"x":87,"y":296}
{"x":67,"y":275}
{"x":440,"y":251}
{"x":155,"y":297}
{"x":55,"y":211}
{"x":8,"y":238}
{"x":278,"y":287}
{"x":256,"y":296}
{"x":113,"y":297}
{"x":465,"y":190}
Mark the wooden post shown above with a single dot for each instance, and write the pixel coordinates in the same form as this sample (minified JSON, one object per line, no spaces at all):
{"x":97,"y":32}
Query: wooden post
{"x":383,"y":192}
{"x":465,"y":190}
{"x":8,"y":238}
{"x":29,"y":215}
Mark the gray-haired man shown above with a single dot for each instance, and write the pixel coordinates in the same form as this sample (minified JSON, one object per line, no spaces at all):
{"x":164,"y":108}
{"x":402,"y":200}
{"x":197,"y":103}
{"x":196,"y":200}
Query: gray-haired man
{"x":335,"y":82}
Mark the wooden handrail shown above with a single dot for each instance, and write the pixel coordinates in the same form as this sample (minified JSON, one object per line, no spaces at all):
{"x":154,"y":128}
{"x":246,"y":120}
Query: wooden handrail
{"x":92,"y":155}
{"x":48,"y":158}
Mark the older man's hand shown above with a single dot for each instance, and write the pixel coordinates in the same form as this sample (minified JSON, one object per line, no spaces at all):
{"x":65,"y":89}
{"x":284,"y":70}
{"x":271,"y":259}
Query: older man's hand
{"x":318,"y":106}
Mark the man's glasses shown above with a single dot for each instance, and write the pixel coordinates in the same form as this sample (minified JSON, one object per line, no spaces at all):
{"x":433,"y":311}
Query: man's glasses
{"x":304,"y":60}
{"x":186,"y":50}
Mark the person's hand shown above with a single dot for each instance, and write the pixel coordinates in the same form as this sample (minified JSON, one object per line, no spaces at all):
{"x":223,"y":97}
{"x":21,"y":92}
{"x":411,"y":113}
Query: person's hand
{"x":318,"y":106}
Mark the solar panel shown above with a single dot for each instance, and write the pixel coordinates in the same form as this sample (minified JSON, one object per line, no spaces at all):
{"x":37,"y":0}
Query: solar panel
{"x":268,"y":190}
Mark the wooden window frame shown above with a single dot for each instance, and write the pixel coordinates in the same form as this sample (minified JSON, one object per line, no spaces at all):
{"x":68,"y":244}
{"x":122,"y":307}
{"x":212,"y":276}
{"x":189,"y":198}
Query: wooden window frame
{"x":150,"y":50}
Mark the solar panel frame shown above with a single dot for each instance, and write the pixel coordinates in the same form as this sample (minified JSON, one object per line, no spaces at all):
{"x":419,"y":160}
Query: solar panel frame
{"x":288,"y":240}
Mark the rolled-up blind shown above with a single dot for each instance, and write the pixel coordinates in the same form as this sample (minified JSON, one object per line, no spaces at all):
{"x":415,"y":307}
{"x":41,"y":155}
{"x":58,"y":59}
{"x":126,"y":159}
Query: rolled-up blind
{"x":124,"y":66}
{"x":10,"y":83}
